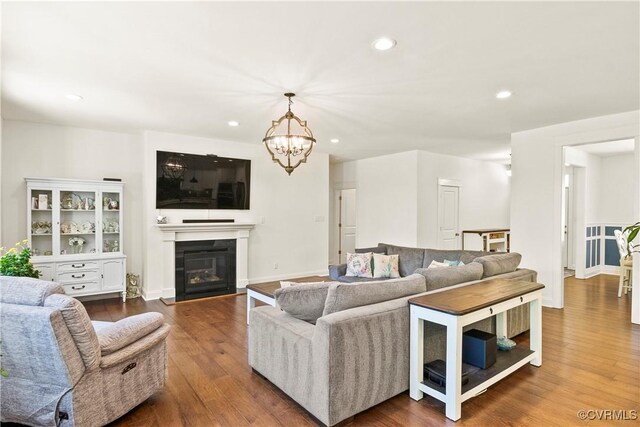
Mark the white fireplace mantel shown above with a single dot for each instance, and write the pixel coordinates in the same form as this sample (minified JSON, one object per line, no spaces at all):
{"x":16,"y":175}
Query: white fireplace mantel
{"x":172,"y":233}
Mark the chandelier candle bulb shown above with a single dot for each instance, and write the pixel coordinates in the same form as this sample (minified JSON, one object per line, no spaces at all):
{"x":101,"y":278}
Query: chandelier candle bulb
{"x":289,"y":140}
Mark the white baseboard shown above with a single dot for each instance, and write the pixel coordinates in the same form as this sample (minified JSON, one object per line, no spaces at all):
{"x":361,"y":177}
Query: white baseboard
{"x":610,"y":269}
{"x":157,"y":294}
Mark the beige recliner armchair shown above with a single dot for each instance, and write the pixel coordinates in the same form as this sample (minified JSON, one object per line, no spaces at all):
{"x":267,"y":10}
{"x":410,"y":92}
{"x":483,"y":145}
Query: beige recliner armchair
{"x":64,"y":369}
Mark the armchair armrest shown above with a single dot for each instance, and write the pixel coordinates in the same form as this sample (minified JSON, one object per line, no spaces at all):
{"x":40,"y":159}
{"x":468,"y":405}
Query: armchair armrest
{"x":115,"y":336}
{"x":130,"y":351}
{"x":336,"y":271}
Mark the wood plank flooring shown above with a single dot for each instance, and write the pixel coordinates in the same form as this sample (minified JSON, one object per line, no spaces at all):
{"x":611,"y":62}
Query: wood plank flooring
{"x":591,"y":360}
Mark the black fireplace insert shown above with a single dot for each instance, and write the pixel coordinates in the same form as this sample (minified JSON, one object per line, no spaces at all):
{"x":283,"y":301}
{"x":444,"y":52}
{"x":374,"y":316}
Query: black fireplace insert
{"x":205,"y":268}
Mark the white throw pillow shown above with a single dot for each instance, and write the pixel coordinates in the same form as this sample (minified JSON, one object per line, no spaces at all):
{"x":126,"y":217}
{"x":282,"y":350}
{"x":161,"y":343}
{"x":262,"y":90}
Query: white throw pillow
{"x":436,"y":264}
{"x":359,"y":265}
{"x":385,"y":266}
{"x":454,"y":263}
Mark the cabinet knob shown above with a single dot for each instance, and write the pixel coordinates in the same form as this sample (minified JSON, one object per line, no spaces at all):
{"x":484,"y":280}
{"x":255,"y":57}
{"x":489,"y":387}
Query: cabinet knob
{"x":78,"y":277}
{"x":77,"y":265}
{"x":78,"y":289}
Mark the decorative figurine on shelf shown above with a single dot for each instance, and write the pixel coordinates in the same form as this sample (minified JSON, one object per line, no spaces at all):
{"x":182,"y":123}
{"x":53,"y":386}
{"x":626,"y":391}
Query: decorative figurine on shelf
{"x":77,"y":244}
{"x":113,"y":205}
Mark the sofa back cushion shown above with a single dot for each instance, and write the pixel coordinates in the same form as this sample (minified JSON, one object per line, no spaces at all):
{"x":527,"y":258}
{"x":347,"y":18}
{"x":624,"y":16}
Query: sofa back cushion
{"x":380,"y":249}
{"x":437,"y":278}
{"x":441,"y":255}
{"x":304,"y":301}
{"x":343,"y":296}
{"x":499,"y":263}
{"x":409,"y":258}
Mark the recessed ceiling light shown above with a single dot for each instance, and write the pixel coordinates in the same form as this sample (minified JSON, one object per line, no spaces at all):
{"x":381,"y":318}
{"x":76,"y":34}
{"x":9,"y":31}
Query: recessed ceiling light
{"x":503,"y":94}
{"x":334,"y":140}
{"x":73,"y":97}
{"x":384,"y":43}
{"x":233,"y":123}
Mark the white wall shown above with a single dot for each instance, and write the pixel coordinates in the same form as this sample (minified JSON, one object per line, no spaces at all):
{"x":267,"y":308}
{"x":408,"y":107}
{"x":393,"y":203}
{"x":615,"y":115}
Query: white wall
{"x":536,"y":197}
{"x":397,"y":196}
{"x":292,"y":212}
{"x":294,"y":209}
{"x":484,"y":195}
{"x":387,"y":202}
{"x":40,"y":150}
{"x":616,"y":188}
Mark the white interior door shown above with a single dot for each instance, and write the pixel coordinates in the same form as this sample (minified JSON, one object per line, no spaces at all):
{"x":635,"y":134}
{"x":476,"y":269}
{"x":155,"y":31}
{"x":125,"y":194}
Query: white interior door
{"x":448,"y":216}
{"x":347,"y":223}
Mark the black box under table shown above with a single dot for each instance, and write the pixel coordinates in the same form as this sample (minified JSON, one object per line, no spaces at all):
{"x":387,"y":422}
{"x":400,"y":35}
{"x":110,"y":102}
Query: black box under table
{"x":479,"y":348}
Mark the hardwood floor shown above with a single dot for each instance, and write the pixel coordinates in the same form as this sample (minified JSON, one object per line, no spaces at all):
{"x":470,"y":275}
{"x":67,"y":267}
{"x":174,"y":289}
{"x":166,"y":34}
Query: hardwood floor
{"x":591,"y":361}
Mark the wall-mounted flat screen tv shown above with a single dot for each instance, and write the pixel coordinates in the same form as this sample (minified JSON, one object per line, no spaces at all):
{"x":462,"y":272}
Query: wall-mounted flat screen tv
{"x":191,"y":181}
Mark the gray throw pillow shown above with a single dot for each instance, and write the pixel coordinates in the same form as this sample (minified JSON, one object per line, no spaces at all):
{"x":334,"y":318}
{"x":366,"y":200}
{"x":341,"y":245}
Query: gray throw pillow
{"x":499,"y":264}
{"x":409,"y":258}
{"x":343,"y":296}
{"x":305,"y":301}
{"x":448,"y":276}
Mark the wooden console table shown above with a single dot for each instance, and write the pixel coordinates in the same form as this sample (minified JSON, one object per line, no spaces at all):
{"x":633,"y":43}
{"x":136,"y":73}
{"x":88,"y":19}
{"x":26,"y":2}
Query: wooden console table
{"x":492,"y":239}
{"x":462,"y":306}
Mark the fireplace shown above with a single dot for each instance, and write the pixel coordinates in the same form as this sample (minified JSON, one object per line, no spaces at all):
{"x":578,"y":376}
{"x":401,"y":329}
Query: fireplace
{"x":205,"y":268}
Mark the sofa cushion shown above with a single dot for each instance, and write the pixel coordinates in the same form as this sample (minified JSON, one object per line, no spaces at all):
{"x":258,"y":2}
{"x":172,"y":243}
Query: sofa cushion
{"x":499,"y":263}
{"x":359,"y":265}
{"x":385,"y":266}
{"x":304,"y":301}
{"x":437,"y":278}
{"x":351,"y":279}
{"x":409,"y":258}
{"x":343,"y":296}
{"x":441,"y":255}
{"x":376,"y":250}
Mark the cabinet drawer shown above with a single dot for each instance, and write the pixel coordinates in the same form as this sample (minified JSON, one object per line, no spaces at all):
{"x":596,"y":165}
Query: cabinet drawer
{"x":78,"y":276}
{"x":78,"y":265}
{"x":81,"y":288}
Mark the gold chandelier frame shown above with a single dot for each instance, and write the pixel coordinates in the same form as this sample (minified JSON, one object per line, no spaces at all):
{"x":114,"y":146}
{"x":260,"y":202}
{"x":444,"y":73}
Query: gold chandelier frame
{"x":289,"y":145}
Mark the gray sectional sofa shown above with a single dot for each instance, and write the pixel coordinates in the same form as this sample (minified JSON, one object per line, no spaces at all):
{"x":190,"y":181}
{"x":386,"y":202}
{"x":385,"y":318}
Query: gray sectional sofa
{"x":344,"y":348}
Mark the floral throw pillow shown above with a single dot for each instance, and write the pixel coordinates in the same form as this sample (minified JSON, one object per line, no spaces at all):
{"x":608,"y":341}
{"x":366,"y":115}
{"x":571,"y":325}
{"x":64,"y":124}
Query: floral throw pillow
{"x":385,"y":266}
{"x":359,"y":265}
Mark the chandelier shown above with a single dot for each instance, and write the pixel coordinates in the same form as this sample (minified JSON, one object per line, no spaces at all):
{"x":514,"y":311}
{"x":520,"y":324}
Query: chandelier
{"x":174,"y":167}
{"x":289,"y":140}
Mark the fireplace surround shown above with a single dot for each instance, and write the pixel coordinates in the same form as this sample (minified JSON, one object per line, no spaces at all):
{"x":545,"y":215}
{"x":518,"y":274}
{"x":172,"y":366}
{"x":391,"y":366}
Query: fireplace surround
{"x":173,"y":234}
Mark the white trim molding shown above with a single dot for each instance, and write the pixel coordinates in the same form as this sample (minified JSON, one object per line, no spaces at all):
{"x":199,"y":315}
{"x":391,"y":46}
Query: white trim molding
{"x":172,"y":233}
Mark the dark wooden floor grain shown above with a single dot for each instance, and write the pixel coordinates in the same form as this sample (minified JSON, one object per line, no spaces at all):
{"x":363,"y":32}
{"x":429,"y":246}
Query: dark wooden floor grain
{"x":591,"y":360}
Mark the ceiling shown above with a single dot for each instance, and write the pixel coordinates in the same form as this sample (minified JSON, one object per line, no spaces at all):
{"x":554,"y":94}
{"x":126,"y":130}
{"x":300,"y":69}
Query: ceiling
{"x":192,"y":67}
{"x":609,"y":148}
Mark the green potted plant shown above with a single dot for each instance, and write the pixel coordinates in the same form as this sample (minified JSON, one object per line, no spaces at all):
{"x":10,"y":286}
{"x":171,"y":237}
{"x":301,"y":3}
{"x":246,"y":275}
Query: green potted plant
{"x":633,"y":231}
{"x":16,"y":261}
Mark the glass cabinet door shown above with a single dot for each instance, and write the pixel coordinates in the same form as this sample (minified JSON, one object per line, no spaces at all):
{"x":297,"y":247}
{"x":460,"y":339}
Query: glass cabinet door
{"x":41,"y":222}
{"x":111,"y":222}
{"x":78,"y":222}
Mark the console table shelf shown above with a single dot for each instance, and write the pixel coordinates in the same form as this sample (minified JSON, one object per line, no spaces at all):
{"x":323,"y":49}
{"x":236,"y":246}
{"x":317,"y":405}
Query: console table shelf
{"x":457,"y":308}
{"x":504,"y":360}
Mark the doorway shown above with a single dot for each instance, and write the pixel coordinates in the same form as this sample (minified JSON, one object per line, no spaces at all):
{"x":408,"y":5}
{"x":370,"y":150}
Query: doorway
{"x":569,"y":221}
{"x":346,"y":223}
{"x":448,"y":214}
